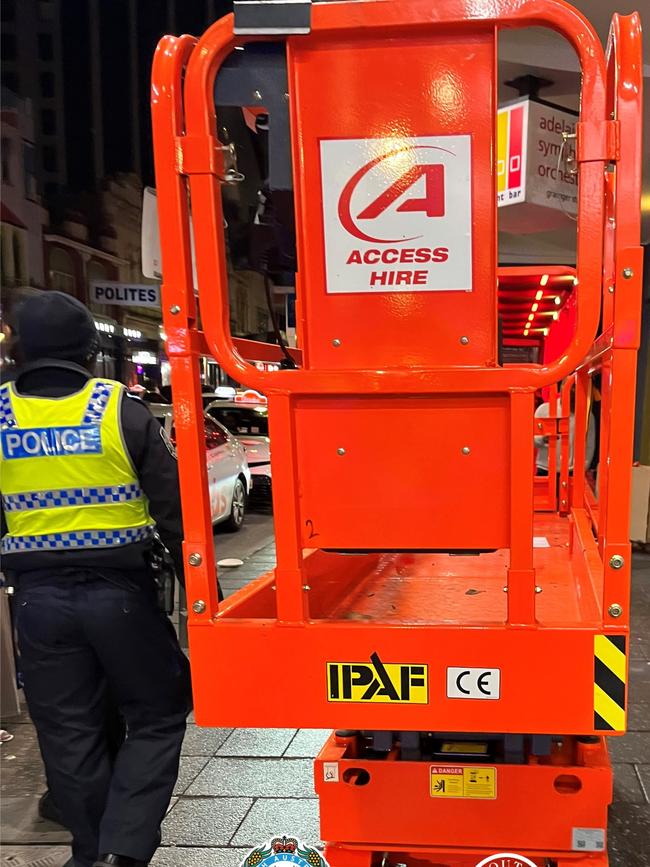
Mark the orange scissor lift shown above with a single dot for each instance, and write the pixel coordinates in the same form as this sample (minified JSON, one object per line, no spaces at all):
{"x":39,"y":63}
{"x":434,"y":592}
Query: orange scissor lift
{"x":404,"y":489}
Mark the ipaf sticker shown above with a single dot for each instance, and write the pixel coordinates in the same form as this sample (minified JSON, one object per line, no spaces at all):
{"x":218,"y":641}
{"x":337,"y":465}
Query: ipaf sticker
{"x":377,"y":681}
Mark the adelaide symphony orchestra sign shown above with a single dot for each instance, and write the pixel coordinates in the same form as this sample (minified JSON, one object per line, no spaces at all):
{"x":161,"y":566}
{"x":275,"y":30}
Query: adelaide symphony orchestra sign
{"x":535,"y":166}
{"x":397,"y":214}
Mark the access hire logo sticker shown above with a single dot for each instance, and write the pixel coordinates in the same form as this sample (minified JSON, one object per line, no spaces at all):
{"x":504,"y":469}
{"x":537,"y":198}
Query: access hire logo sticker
{"x":397,"y":214}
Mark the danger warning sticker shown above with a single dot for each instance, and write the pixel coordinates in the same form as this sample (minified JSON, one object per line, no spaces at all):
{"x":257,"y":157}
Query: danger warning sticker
{"x":460,"y":781}
{"x":397,"y":214}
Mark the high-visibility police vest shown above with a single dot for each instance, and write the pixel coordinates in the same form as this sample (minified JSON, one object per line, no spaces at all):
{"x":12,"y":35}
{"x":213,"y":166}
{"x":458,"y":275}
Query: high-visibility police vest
{"x":67,"y":478}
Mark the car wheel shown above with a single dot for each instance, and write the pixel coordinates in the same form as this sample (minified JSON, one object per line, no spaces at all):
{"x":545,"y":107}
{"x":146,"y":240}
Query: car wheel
{"x":237,"y":508}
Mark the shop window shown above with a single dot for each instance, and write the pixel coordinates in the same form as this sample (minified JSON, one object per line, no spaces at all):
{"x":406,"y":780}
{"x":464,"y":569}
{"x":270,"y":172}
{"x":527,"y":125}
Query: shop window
{"x":96,"y":272}
{"x":105,"y":365}
{"x":63,"y":282}
{"x":5,"y":153}
{"x":62,"y":272}
{"x":45,"y":46}
{"x":50,"y":163}
{"x":48,"y":122}
{"x":47,"y":84}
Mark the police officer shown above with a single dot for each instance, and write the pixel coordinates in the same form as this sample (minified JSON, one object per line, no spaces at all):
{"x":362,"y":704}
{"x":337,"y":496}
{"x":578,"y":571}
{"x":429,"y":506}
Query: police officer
{"x":88,"y":475}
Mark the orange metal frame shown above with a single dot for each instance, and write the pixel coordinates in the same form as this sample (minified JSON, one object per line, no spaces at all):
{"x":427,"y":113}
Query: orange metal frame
{"x":320,"y":606}
{"x":570,"y":789}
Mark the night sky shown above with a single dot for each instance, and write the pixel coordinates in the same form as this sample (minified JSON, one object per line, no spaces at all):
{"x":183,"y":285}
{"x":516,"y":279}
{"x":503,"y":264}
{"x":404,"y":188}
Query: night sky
{"x":116,"y":79}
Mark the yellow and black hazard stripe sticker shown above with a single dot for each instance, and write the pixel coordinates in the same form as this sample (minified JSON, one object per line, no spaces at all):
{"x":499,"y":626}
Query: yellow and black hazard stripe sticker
{"x":610,"y":677}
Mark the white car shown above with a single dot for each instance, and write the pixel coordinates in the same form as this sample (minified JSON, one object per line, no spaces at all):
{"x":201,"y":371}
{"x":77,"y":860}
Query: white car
{"x":229,"y":477}
{"x":247,"y":418}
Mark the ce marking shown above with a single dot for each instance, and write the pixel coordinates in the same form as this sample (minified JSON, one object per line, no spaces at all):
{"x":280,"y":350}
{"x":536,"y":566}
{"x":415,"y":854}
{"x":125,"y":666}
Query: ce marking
{"x":482,"y":683}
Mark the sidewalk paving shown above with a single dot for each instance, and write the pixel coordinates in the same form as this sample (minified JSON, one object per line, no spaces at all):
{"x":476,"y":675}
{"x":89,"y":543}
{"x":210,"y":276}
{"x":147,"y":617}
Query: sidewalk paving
{"x":238,"y":787}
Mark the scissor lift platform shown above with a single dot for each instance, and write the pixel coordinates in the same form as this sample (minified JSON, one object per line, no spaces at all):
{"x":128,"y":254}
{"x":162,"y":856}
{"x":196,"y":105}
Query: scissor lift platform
{"x":434,"y":610}
{"x":444,"y":588}
{"x":383,"y":96}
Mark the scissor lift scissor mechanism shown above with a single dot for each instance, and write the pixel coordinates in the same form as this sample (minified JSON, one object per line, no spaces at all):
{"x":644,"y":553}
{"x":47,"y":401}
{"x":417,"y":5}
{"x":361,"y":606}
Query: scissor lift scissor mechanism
{"x":375,"y":611}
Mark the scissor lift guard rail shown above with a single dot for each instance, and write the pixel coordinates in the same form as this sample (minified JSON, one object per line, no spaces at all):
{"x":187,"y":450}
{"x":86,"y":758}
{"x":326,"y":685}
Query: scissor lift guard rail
{"x":376,"y":607}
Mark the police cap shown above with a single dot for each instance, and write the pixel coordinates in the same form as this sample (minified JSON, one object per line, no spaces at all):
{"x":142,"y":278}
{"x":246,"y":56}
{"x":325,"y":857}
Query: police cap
{"x":55,"y":325}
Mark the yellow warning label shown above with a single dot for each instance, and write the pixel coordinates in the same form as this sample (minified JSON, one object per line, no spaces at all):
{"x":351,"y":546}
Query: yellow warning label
{"x":449,"y":781}
{"x":464,"y":747}
{"x":377,"y":681}
{"x":610,"y":676}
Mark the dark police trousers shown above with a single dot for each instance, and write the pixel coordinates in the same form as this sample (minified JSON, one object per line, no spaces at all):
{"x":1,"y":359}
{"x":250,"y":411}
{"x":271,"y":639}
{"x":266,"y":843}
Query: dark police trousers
{"x":84,"y":641}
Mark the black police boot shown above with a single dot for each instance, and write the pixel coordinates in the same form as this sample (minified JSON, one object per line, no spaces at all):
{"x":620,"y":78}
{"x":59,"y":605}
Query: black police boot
{"x":110,"y":860}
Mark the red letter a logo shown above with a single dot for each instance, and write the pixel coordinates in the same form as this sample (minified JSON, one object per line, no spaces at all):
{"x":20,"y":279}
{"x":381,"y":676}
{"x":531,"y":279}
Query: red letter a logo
{"x":433,"y":203}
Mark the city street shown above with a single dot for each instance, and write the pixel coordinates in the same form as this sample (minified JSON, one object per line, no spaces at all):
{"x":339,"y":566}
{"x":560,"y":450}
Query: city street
{"x":256,"y":534}
{"x":254,"y":544}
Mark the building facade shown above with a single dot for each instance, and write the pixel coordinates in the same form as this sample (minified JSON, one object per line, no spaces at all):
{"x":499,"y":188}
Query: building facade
{"x":32,"y":67}
{"x":22,"y":217}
